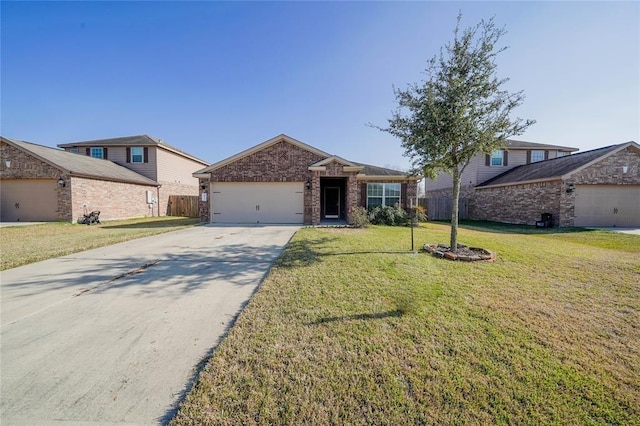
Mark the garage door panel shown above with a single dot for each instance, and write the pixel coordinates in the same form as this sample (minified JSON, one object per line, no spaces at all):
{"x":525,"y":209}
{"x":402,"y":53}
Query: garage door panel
{"x":268,"y":202}
{"x":28,"y":200}
{"x":607,"y":205}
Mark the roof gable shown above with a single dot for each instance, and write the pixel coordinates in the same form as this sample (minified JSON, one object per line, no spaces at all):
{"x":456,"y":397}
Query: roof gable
{"x":264,"y":145}
{"x":80,"y":165}
{"x":556,"y":168}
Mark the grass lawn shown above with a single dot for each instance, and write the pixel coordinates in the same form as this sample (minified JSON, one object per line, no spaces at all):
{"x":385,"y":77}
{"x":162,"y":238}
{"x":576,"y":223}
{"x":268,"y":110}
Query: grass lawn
{"x":20,"y":245}
{"x":351,"y":328}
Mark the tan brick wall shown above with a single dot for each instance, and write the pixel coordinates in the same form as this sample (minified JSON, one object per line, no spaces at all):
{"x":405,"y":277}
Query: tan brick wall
{"x":23,"y":165}
{"x":519,"y":204}
{"x":115,"y":200}
{"x":609,"y":170}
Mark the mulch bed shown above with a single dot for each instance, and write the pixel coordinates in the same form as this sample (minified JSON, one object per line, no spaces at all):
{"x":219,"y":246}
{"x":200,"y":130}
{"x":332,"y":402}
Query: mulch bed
{"x":464,"y":254}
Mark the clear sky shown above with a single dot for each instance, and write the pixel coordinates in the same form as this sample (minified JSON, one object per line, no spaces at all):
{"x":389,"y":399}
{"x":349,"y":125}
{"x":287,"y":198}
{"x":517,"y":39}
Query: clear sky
{"x":215,"y":78}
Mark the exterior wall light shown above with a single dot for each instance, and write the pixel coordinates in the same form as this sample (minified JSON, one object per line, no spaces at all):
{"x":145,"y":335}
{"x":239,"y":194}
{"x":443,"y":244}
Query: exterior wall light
{"x":61,"y":182}
{"x":308,"y":183}
{"x":203,"y":186}
{"x":570,"y":187}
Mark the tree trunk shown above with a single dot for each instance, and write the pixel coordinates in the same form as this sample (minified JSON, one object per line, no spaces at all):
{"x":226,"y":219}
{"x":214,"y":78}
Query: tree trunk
{"x":454,"y":210}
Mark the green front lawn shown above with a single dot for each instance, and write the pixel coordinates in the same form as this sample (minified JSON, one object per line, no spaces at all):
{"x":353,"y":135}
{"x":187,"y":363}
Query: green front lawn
{"x":350,"y":327}
{"x":20,"y":245}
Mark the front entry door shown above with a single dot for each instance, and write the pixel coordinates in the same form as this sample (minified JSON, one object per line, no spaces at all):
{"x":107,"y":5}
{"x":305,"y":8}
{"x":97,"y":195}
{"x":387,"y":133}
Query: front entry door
{"x":332,"y":202}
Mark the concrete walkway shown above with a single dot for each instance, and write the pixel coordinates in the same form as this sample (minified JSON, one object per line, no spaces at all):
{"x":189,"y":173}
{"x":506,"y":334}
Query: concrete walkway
{"x":117,"y":334}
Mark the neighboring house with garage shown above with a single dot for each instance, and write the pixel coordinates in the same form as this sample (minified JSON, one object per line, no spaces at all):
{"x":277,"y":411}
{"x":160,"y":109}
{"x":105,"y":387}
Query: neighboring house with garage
{"x":483,"y":167}
{"x":600,"y":187}
{"x":283,"y":180}
{"x":171,"y":167}
{"x":39,"y":183}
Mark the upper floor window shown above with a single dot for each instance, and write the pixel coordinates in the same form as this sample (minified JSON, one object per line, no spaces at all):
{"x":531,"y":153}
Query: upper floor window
{"x":73,"y":149}
{"x":537,"y":156}
{"x":137,"y":154}
{"x":383,"y":194}
{"x":497,"y":158}
{"x":560,"y":154}
{"x":97,"y":152}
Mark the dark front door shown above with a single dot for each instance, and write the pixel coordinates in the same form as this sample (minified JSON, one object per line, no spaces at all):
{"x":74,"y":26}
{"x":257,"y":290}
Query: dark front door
{"x":332,"y":202}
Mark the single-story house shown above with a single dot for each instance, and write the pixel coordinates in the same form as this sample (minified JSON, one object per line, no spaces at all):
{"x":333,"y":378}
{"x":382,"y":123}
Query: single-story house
{"x":39,"y":183}
{"x":283,"y":180}
{"x":600,"y":187}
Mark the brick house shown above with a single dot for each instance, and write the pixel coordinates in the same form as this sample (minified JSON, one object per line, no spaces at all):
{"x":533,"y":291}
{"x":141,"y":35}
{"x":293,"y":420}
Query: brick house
{"x":39,"y":183}
{"x":283,"y":180}
{"x":483,"y":167}
{"x":171,"y":167}
{"x":600,"y":187}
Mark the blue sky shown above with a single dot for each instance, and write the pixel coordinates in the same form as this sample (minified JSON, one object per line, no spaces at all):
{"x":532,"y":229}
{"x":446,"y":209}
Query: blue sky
{"x":214,"y":78}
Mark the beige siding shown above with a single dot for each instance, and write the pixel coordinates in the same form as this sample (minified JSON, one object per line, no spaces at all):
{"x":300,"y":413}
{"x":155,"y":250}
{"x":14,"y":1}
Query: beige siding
{"x":148,"y":169}
{"x":176,"y":169}
{"x":445,"y":180}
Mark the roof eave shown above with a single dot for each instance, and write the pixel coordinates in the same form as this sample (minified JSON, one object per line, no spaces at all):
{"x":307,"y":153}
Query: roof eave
{"x":595,"y":160}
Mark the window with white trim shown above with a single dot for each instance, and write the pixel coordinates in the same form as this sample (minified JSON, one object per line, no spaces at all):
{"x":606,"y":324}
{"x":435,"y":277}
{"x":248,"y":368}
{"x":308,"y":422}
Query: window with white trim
{"x":73,"y":149}
{"x":497,"y":158}
{"x":536,"y":156}
{"x":97,"y":152}
{"x":137,"y":154}
{"x":383,"y":194}
{"x":561,"y":154}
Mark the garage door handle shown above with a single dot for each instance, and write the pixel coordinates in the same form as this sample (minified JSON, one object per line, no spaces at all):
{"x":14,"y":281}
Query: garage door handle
{"x":615,"y":211}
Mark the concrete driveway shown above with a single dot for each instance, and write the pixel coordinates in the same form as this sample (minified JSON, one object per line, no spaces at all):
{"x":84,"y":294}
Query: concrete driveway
{"x":117,"y":334}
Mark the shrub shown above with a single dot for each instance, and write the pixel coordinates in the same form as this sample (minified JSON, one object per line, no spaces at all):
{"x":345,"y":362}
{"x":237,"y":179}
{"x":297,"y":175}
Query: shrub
{"x":387,"y":215}
{"x":358,"y":217}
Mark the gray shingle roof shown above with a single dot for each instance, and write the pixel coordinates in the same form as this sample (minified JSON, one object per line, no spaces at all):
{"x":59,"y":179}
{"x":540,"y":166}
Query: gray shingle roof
{"x":137,"y":140}
{"x":515,"y":144}
{"x":81,"y":165}
{"x":380,"y":171}
{"x":548,"y":169}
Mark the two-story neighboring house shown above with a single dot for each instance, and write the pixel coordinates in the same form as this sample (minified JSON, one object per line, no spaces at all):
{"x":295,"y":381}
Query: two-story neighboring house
{"x":171,"y":167}
{"x":482,"y":168}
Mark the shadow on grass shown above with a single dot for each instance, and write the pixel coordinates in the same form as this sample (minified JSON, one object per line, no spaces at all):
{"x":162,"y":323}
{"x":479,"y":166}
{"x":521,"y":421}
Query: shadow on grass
{"x":388,"y":314}
{"x":165,"y":223}
{"x":507,"y":228}
{"x":304,"y":252}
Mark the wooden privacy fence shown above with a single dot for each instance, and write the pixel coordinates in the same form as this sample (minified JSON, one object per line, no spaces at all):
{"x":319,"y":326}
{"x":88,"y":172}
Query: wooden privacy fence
{"x":440,"y":208}
{"x":183,"y":205}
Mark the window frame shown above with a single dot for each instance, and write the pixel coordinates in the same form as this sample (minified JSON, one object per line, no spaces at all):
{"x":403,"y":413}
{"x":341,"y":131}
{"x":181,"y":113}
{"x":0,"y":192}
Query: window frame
{"x":96,"y":148}
{"x":384,"y":196}
{"x":133,"y":155}
{"x":494,"y":156}
{"x":540,"y":154}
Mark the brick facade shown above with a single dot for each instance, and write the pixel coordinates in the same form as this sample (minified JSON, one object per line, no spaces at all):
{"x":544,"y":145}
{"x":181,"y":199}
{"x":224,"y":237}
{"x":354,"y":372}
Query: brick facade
{"x":115,"y":200}
{"x":288,"y":162}
{"x":524,"y":203}
{"x":519,"y":204}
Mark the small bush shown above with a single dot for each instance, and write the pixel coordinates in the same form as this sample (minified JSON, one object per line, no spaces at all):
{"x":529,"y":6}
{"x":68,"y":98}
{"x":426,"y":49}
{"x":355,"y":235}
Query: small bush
{"x":358,"y":217}
{"x":387,"y":215}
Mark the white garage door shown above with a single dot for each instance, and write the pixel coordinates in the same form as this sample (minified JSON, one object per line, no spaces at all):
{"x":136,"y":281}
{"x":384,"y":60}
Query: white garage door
{"x":608,"y":205}
{"x":271,"y":202}
{"x":28,"y":200}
